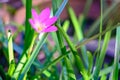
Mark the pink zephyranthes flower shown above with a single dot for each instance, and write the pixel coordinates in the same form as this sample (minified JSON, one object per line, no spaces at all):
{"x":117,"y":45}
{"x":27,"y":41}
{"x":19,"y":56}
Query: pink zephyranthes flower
{"x":43,"y":22}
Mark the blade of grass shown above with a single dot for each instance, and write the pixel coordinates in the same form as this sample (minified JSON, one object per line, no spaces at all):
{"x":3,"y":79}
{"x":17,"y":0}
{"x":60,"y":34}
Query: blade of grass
{"x":102,"y":56}
{"x":28,"y":41}
{"x":79,"y":34}
{"x":115,"y":72}
{"x":69,"y":68}
{"x":107,"y":70}
{"x":11,"y":55}
{"x":78,"y":60}
{"x":28,"y":29}
{"x":75,"y":22}
{"x":100,"y":31}
{"x":101,"y":23}
{"x":90,"y":59}
{"x":67,"y":64}
{"x":66,"y":25}
{"x":70,"y":71}
{"x":24,"y":57}
{"x":32,"y":57}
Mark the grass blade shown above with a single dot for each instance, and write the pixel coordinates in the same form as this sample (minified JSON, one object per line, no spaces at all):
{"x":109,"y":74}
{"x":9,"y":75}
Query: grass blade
{"x":102,"y":55}
{"x":79,"y":34}
{"x":115,"y":72}
{"x":32,"y":57}
{"x":11,"y":55}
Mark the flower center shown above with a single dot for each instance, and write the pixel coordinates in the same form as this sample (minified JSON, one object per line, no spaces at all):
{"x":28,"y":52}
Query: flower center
{"x":40,"y":26}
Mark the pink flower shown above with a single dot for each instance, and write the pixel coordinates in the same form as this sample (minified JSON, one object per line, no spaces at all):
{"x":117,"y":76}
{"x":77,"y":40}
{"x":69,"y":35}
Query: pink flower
{"x":43,"y":22}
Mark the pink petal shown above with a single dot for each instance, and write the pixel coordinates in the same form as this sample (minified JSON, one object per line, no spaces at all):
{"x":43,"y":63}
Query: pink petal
{"x":44,"y":15}
{"x":32,"y":23}
{"x":34,"y":14}
{"x":50,"y":21}
{"x":50,"y":29}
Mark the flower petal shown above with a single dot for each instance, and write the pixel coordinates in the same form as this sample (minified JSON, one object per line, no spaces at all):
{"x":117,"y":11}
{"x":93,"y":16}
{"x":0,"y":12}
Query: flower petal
{"x":50,"y":29}
{"x":44,"y":15}
{"x":34,"y":14}
{"x":50,"y":21}
{"x":32,"y":23}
